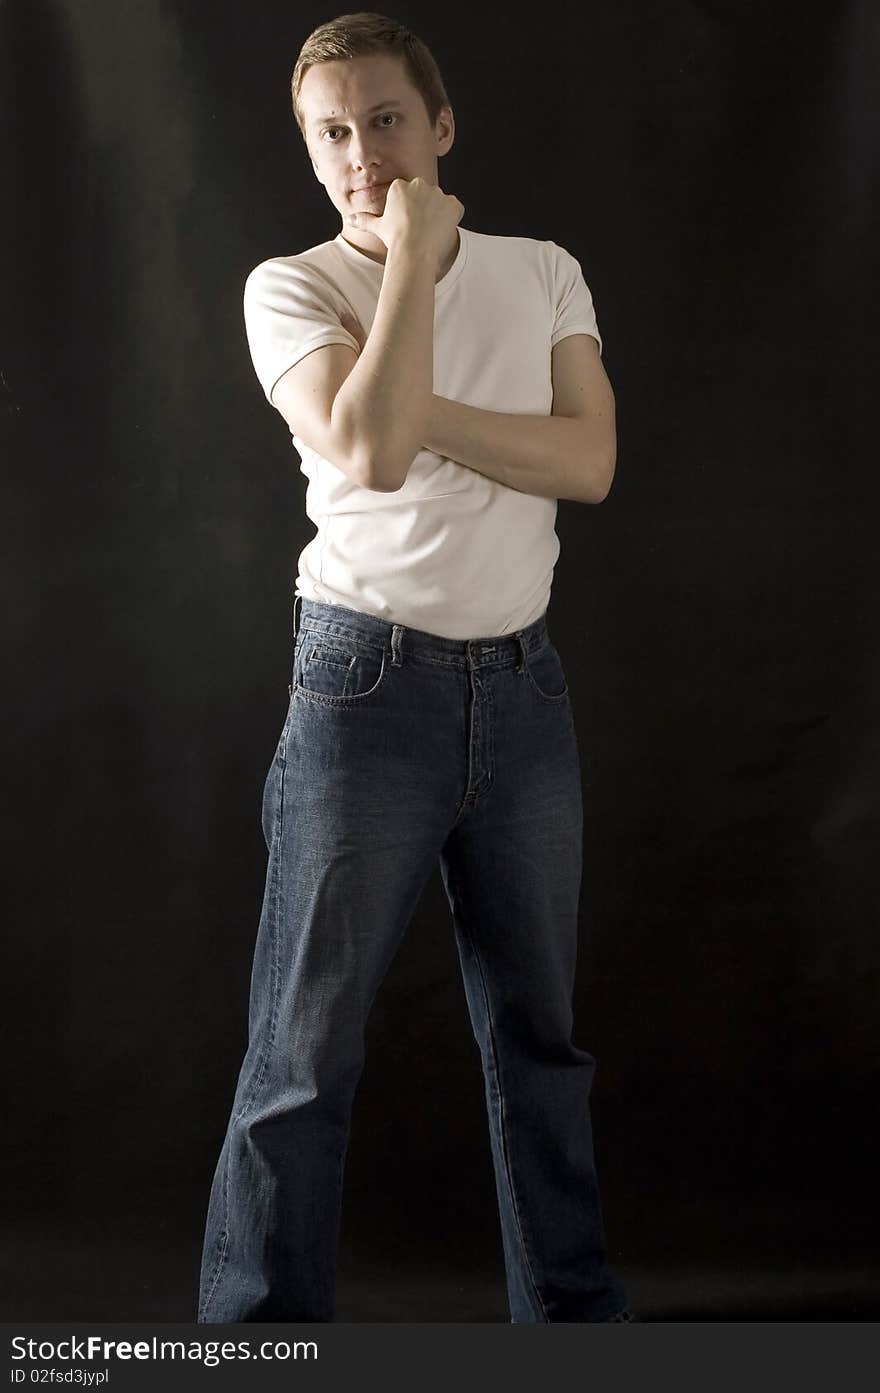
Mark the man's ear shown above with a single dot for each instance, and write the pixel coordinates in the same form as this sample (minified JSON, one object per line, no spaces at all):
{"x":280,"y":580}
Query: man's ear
{"x":448,"y":121}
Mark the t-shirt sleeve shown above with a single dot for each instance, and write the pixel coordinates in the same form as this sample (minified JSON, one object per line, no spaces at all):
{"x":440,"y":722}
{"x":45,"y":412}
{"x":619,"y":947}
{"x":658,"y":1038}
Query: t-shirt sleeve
{"x":289,"y":310}
{"x":573,"y":304}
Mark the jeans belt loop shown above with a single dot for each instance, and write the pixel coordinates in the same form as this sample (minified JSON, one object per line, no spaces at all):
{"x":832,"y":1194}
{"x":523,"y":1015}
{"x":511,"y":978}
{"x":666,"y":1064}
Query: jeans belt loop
{"x":396,"y":631}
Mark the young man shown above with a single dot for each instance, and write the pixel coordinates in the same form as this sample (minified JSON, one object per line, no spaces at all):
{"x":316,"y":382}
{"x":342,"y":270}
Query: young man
{"x":443,"y":388}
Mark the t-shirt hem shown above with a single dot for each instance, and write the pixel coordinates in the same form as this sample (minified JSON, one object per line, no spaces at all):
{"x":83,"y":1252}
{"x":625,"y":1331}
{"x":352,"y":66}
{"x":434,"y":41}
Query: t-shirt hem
{"x":304,"y":352}
{"x":575,"y":329}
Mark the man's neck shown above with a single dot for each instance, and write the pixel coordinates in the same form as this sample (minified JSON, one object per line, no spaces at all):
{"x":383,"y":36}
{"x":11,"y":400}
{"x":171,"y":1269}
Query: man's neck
{"x":446,"y":264}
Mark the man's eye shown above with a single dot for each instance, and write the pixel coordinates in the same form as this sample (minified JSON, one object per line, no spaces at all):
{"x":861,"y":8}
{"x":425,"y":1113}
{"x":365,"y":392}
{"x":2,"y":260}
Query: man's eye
{"x":330,"y":129}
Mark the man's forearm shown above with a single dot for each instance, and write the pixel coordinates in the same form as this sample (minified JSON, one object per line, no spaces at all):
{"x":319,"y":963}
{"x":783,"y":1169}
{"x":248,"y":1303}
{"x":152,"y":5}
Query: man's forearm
{"x":383,"y":404}
{"x":552,"y":456}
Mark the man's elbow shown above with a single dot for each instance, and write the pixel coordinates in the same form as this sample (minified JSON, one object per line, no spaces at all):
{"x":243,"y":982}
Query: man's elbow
{"x":602,"y":476}
{"x":607,"y":478}
{"x":385,"y":474}
{"x":386,"y":465}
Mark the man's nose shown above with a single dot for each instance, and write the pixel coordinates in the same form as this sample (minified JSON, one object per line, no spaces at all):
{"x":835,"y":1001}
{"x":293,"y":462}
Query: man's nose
{"x":362,"y":151}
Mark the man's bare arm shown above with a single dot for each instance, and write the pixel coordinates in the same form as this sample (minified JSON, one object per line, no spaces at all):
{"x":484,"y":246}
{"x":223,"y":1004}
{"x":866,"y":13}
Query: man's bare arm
{"x":382,"y":406}
{"x":570,"y":454}
{"x":384,"y":402}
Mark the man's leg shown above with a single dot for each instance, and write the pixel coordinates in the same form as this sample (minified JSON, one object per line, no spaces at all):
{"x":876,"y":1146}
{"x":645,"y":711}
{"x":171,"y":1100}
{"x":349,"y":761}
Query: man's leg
{"x":512,"y":871}
{"x":353,"y":833}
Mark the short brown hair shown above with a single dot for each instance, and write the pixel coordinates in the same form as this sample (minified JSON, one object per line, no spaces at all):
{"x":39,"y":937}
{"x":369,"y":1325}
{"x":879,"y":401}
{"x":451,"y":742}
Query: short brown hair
{"x":355,"y":36}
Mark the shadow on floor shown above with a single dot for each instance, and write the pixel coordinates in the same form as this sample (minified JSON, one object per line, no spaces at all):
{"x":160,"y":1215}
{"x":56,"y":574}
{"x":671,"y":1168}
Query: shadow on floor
{"x":137,"y":1270}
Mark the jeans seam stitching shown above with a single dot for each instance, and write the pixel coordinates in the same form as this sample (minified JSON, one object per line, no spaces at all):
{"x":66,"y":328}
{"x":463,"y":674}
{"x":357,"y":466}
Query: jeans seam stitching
{"x":225,"y":1245}
{"x":358,"y":699}
{"x":273,"y":1021}
{"x":508,"y":1170}
{"x":556,"y":700}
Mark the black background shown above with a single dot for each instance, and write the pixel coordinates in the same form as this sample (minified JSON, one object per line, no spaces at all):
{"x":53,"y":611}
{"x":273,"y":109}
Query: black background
{"x":713,"y":166}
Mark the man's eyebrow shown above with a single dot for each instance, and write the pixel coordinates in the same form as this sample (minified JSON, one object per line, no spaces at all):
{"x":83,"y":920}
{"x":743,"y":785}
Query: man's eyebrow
{"x":380,"y":106}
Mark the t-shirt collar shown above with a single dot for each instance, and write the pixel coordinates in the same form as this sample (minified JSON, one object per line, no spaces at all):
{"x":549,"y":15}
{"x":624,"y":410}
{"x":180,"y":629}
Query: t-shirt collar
{"x":355,"y":254}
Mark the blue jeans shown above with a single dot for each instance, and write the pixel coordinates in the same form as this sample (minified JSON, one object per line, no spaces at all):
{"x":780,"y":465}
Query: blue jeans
{"x":399,"y":747}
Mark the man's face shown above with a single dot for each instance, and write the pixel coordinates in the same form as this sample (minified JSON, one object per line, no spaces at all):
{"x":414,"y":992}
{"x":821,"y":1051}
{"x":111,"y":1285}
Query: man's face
{"x":351,"y":145}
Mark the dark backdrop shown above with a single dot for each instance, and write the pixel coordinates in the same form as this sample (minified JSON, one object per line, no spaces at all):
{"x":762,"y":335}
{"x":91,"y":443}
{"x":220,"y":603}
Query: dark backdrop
{"x":710,"y":163}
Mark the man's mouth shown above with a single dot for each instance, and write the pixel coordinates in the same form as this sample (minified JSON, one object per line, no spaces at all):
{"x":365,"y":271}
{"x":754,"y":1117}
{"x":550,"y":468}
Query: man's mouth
{"x":372,"y":188}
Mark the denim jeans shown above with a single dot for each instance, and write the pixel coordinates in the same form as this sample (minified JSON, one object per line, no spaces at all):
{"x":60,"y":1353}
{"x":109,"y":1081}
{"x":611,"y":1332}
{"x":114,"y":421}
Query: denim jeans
{"x":400,"y":747}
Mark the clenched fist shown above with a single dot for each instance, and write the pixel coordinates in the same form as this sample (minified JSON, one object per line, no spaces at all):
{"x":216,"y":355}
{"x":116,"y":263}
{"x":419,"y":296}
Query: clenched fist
{"x":415,"y":213}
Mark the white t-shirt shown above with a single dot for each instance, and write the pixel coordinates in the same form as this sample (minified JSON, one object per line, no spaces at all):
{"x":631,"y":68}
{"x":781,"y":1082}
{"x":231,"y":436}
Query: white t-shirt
{"x":452,"y":552}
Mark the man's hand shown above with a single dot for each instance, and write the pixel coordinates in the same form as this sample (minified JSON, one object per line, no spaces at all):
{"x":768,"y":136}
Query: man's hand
{"x":416,"y":213}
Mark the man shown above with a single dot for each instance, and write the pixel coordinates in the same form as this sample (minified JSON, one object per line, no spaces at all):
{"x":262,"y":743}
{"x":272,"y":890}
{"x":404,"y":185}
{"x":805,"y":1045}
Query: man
{"x":429,"y":715}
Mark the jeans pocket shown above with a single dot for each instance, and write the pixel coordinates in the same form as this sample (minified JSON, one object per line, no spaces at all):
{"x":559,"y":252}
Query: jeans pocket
{"x":546,"y":674}
{"x":338,"y":670}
